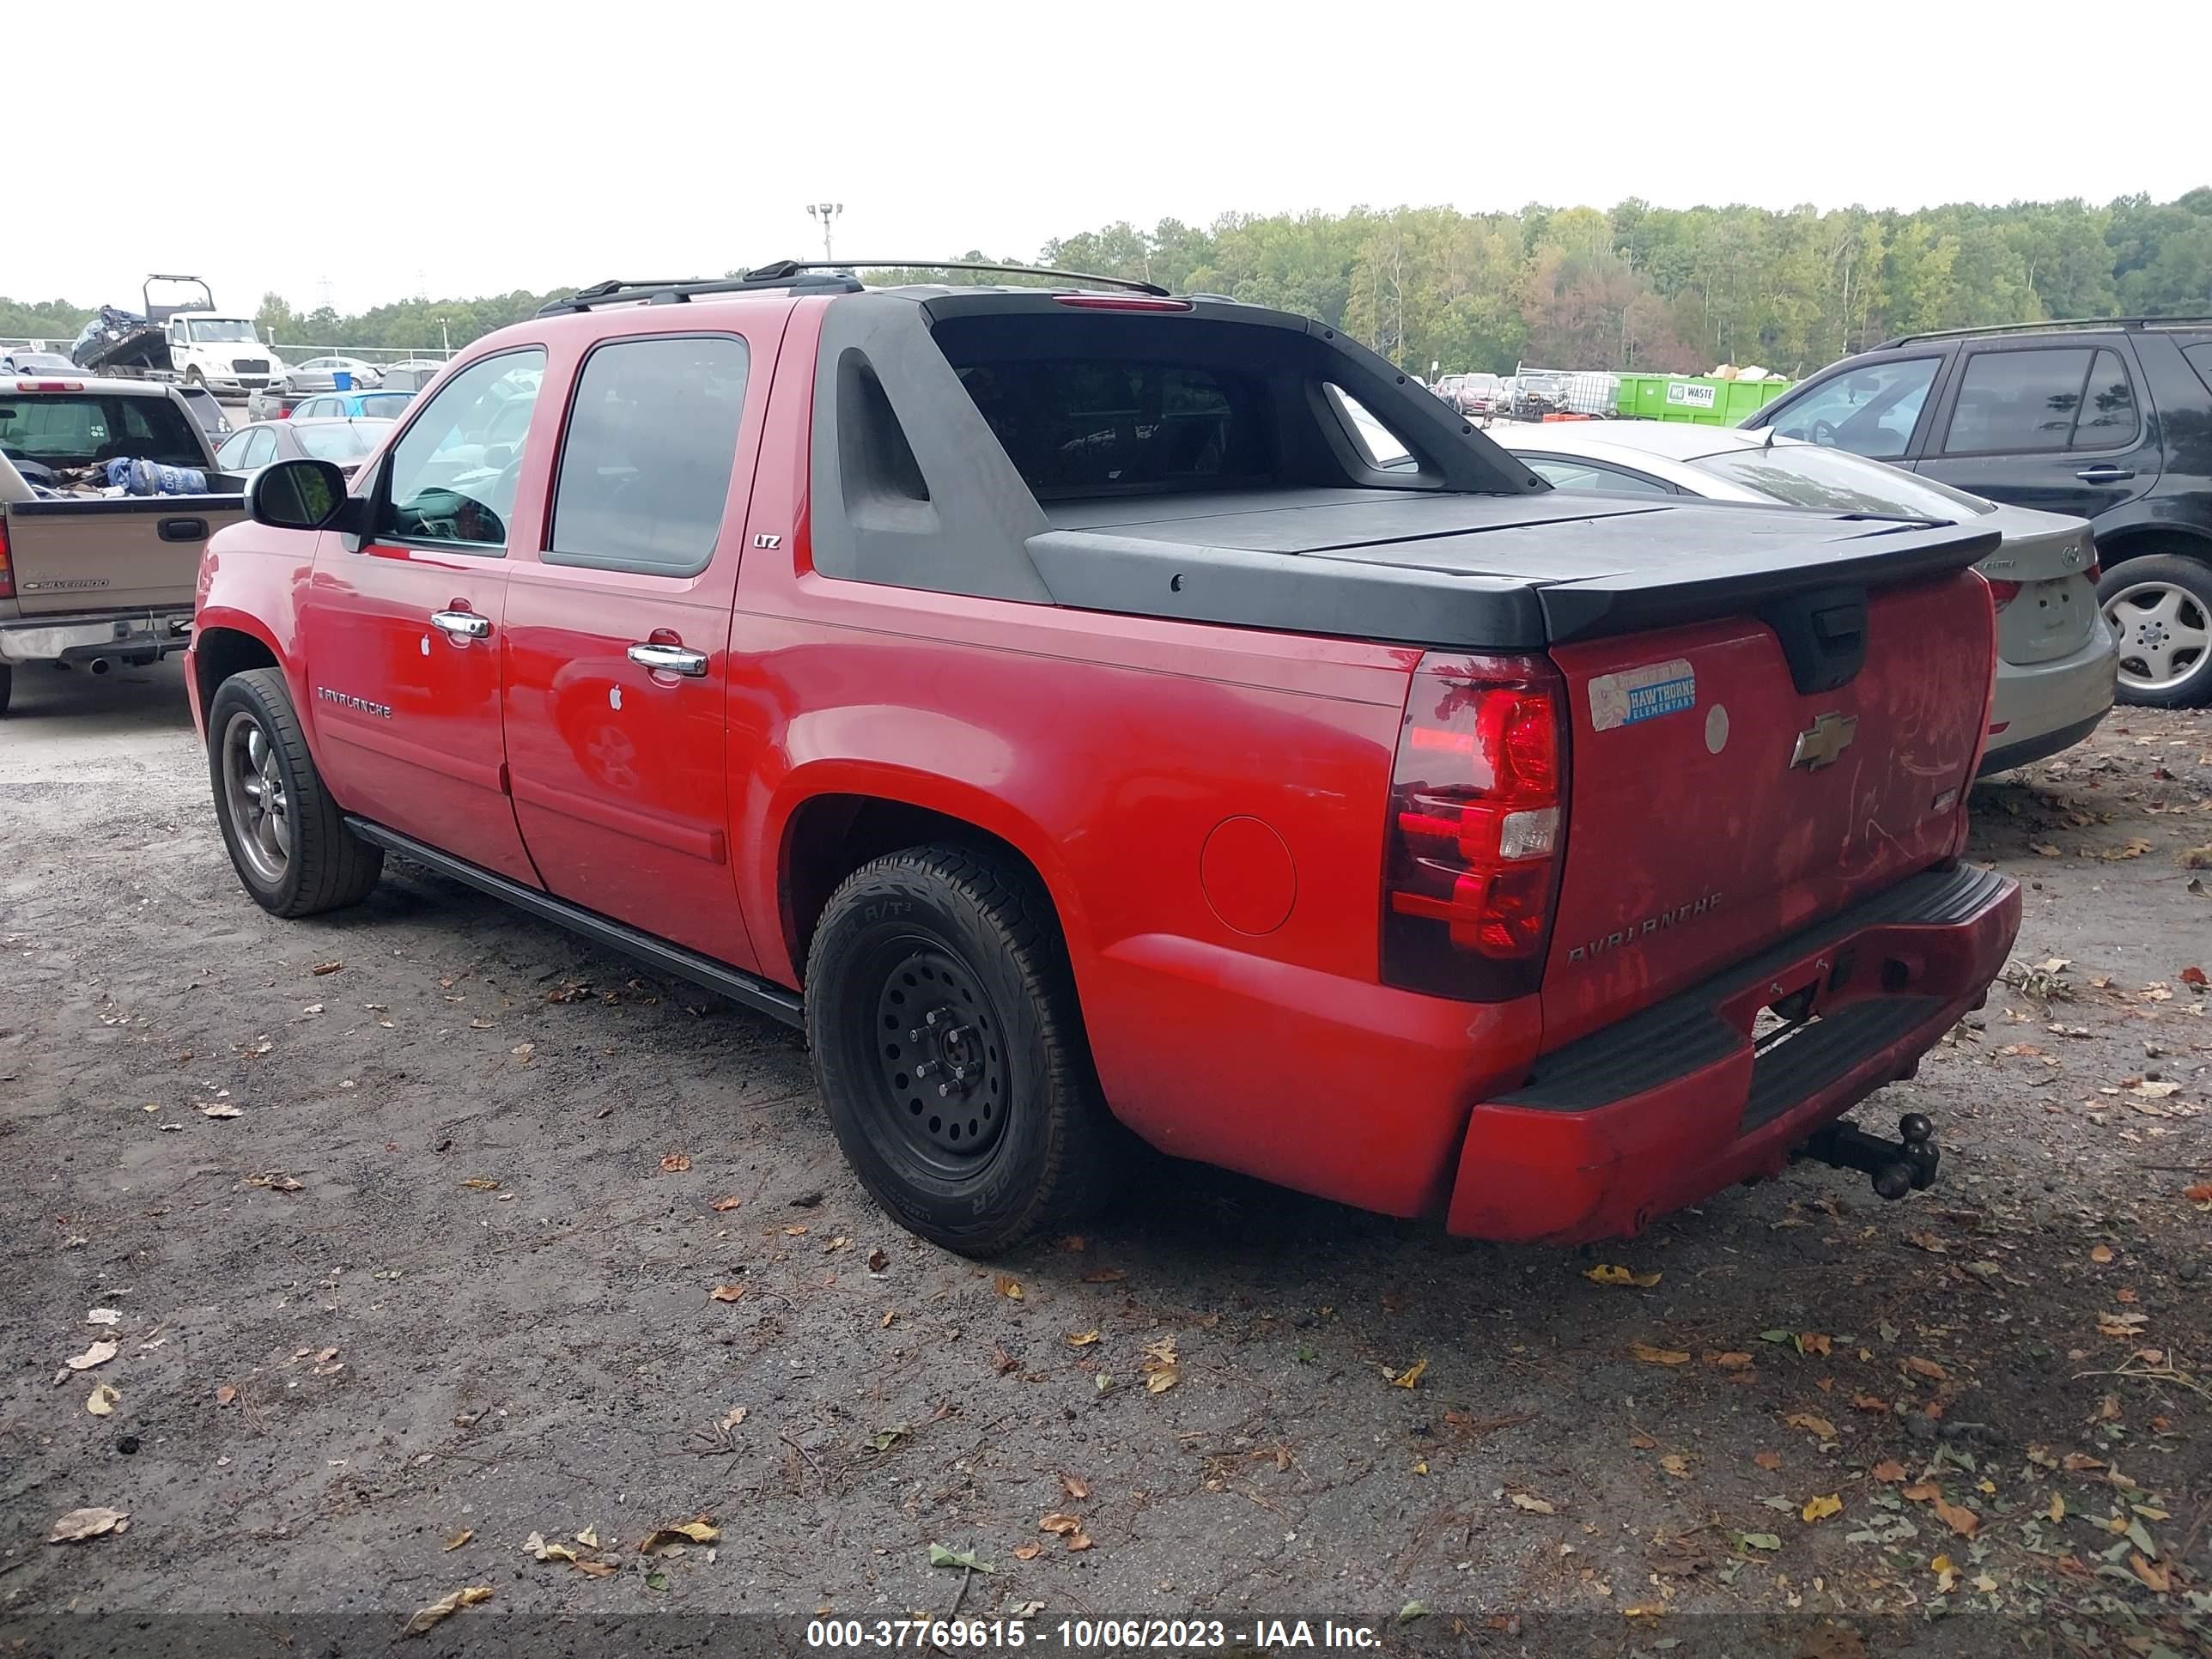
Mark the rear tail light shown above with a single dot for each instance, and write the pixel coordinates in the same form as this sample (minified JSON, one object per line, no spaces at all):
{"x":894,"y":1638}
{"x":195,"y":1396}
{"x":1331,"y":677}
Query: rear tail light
{"x":2004,"y":593}
{"x":2096,"y":569}
{"x":1478,"y":829}
{"x":6,"y":565}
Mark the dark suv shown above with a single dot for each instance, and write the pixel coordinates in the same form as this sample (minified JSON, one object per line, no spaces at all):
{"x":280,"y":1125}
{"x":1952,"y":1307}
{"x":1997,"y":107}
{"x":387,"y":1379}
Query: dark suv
{"x":2110,"y":421}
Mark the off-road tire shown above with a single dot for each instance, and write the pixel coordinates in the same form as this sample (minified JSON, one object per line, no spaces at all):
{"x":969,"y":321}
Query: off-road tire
{"x":327,"y":866}
{"x":970,"y":934}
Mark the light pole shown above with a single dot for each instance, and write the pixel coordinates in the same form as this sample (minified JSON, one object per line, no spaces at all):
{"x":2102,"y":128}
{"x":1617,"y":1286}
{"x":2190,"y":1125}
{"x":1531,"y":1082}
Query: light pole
{"x":827,"y":212}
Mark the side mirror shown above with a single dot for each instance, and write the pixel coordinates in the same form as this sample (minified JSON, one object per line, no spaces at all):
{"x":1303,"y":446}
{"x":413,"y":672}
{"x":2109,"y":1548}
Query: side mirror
{"x":305,"y":494}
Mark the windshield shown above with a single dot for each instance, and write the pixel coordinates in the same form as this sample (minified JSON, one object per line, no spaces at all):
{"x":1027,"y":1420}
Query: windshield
{"x":207,"y":330}
{"x":1810,"y":475}
{"x":338,"y":441}
{"x":65,"y":431}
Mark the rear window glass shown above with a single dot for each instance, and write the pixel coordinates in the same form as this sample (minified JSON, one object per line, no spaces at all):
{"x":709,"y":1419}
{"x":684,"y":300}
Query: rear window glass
{"x":335,"y":443}
{"x":1087,"y":426}
{"x":645,"y":470}
{"x":74,"y":429}
{"x":386,"y":405}
{"x":1807,"y":474}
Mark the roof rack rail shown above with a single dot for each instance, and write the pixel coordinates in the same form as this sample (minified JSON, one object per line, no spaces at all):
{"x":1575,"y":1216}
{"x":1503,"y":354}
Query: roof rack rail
{"x":2056,"y":323}
{"x":618,"y":290}
{"x":789,"y":266}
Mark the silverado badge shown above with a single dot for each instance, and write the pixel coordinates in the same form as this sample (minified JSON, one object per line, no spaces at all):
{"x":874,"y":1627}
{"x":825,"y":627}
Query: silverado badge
{"x":1822,"y":742}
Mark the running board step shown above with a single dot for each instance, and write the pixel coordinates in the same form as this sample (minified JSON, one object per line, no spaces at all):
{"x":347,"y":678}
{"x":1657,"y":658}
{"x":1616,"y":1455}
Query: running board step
{"x":764,"y":996}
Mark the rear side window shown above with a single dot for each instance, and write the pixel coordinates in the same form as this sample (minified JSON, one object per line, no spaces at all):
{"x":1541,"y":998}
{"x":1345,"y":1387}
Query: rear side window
{"x":2200,"y":358}
{"x":2108,"y":417}
{"x":1077,"y":426}
{"x":67,"y":431}
{"x":645,"y":471}
{"x":2014,"y":401}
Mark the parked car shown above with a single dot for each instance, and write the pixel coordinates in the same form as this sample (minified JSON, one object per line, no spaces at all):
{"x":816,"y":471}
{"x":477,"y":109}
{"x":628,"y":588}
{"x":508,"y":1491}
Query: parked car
{"x":2110,"y":421}
{"x":26,"y":362}
{"x":2055,"y":654}
{"x":345,"y":442}
{"x":1474,"y":394}
{"x":86,"y":579}
{"x":366,"y":375}
{"x":1044,"y":699}
{"x":355,"y":406}
{"x":410,"y":376}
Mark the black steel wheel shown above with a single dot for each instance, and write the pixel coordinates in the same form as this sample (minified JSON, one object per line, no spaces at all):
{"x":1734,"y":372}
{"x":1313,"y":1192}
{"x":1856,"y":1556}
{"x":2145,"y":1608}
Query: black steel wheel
{"x":951,"y":1052}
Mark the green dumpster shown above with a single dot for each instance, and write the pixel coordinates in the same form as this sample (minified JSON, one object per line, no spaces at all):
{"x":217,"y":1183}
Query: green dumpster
{"x":1699,"y":398}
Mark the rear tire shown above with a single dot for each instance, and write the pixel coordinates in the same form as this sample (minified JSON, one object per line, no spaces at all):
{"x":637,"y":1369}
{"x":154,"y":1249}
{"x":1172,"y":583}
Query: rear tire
{"x":951,"y":1052}
{"x":2160,"y":607}
{"x":286,"y":838}
{"x":7,"y":687}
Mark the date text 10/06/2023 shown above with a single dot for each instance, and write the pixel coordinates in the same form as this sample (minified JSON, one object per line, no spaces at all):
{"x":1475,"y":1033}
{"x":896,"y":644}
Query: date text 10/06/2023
{"x":1088,"y":1635}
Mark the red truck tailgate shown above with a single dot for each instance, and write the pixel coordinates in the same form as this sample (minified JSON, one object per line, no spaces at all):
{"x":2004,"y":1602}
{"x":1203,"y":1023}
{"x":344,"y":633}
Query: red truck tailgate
{"x":1715,"y":808}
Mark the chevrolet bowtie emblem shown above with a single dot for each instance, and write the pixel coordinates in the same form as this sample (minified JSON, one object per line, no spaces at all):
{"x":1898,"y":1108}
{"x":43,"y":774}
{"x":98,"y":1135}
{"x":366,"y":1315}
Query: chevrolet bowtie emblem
{"x":1820,"y":743}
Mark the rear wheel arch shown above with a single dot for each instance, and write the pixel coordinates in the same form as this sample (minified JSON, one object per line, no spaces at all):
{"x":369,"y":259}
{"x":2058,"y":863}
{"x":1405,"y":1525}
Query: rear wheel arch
{"x":2142,"y":540}
{"x":828,"y":837}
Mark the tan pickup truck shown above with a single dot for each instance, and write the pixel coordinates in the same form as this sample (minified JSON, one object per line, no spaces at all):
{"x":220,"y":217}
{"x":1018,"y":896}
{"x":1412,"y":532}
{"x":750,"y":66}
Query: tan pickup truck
{"x":89,"y":578}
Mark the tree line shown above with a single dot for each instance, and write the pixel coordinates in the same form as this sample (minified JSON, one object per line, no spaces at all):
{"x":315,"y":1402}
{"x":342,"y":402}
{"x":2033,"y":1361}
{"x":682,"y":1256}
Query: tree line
{"x":1634,"y":287}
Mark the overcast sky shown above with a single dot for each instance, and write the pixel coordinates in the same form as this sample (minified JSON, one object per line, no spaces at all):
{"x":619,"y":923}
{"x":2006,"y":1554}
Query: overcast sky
{"x":365,"y":152}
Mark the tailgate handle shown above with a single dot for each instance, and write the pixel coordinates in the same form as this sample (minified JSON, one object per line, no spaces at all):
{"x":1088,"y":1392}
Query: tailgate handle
{"x":183,"y":529}
{"x":1822,"y":634}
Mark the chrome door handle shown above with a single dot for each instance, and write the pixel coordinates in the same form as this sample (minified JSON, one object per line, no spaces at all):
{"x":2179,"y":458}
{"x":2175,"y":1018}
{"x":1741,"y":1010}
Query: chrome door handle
{"x":461,"y":624}
{"x":2106,"y":474}
{"x":670,"y":659}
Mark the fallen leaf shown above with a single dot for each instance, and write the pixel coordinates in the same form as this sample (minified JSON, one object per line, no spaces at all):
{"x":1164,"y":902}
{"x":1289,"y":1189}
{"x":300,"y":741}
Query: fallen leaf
{"x":1410,"y":1376}
{"x":2057,"y":1512}
{"x":1105,"y":1276}
{"x":2153,"y":1576}
{"x":458,"y":1539}
{"x":1922,"y":1491}
{"x":1760,"y":1540}
{"x":446,"y":1607}
{"x":1890,"y":1470}
{"x":1028,"y":1552}
{"x":1820,"y":1509}
{"x":878,"y":1261}
{"x":79,"y":1524}
{"x":675,"y":1162}
{"x":1869,"y":1402}
{"x":225,"y":1394}
{"x":481,"y":1184}
{"x":1534,"y":1505}
{"x":545,"y":1551}
{"x":2192,"y":975}
{"x":799,"y":1231}
{"x":1927,"y":1368}
{"x":102,"y":1402}
{"x":1081,"y":1339}
{"x":1812,"y":1424}
{"x":1728,"y":1361}
{"x":220,"y":1109}
{"x":323,"y":969}
{"x":1075,"y":1486}
{"x":1963,"y":1521}
{"x":1603,"y":1274}
{"x":1010,"y":1287}
{"x":1411,"y":1611}
{"x":2079,"y":1462}
{"x":725,"y":1205}
{"x":1061,"y":1524}
{"x":1651,"y":1356}
{"x":656,"y":1581}
{"x":1813,"y":1342}
{"x":726,"y":1293}
{"x":1769,"y":1461}
{"x":941,"y":1557}
{"x":102,"y":1316}
{"x":1641,"y":1440}
{"x":2200,"y":1193}
{"x":1159,"y":1381}
{"x":275,"y":1182}
{"x":2149,"y":1090}
{"x":1675,"y":1465}
{"x":678,"y":1532}
{"x":596,"y":1569}
{"x":98,"y":1354}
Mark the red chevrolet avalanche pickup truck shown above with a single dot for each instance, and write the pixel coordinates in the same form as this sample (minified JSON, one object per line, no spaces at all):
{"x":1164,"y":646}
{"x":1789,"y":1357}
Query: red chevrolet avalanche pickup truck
{"x":1056,"y":701}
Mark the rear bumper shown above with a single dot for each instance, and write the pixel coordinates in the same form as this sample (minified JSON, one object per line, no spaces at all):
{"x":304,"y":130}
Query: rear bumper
{"x":145,"y":635}
{"x":2042,"y":707}
{"x":1670,"y":1106}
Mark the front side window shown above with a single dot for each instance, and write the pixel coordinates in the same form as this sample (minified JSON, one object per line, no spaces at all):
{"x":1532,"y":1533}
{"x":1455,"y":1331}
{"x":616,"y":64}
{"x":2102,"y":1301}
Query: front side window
{"x":2013,"y":402}
{"x":1871,"y":411}
{"x":645,"y":471}
{"x":453,"y":472}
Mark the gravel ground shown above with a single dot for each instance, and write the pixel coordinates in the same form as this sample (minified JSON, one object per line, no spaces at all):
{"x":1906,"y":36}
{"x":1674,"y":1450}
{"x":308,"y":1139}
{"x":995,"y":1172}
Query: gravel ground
{"x":423,"y":1229}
